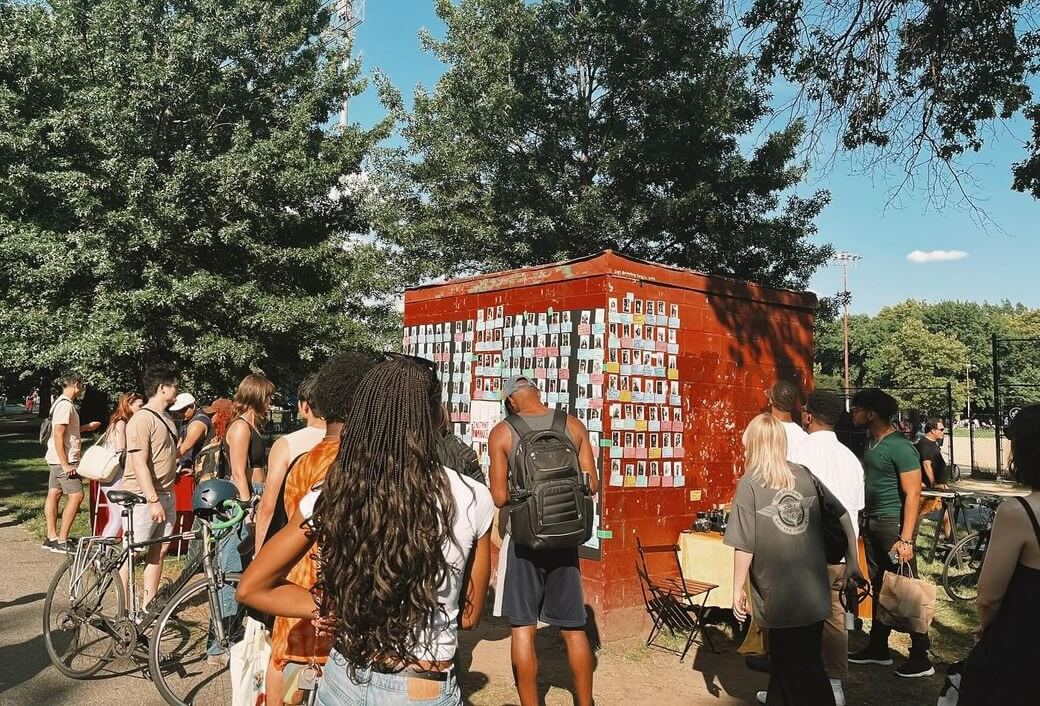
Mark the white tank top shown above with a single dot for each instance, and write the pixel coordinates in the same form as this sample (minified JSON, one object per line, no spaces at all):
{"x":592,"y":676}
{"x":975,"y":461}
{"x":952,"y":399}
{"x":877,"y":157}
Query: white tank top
{"x":303,"y":440}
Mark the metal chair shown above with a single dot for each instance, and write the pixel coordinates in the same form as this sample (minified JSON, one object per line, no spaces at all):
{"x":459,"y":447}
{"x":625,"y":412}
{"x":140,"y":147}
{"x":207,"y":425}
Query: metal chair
{"x":671,"y":599}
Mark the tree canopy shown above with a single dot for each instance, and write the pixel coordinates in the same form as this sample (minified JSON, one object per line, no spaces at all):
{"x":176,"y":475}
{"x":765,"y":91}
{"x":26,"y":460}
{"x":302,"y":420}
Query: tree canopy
{"x":917,"y":83}
{"x":564,"y":127}
{"x":925,"y":345}
{"x":171,"y":189}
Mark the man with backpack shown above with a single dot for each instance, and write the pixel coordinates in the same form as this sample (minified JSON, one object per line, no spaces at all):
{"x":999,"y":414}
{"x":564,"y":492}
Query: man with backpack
{"x":60,"y":435}
{"x":538,"y":452}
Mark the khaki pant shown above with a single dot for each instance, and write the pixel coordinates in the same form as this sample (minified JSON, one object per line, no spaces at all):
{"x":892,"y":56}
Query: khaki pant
{"x":835,"y":646}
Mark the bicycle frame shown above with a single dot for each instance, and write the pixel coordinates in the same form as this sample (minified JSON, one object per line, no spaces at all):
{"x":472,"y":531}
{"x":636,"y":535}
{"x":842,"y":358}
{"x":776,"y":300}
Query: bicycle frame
{"x":126,"y":556}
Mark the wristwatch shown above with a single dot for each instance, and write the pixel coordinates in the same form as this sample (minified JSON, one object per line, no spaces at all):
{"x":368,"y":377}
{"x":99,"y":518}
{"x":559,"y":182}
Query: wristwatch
{"x":153,"y":499}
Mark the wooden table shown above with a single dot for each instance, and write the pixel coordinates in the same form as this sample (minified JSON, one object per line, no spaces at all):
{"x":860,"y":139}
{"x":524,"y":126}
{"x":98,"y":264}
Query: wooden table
{"x":704,"y":557}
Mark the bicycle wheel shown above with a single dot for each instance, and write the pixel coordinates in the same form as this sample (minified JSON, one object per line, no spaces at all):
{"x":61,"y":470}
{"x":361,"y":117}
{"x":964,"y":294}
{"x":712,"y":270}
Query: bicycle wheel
{"x":188,"y":664}
{"x":77,"y":628}
{"x":960,"y":575}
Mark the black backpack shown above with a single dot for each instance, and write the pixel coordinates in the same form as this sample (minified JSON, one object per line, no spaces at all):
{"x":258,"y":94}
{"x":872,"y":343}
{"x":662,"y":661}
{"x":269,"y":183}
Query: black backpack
{"x":549,"y":507}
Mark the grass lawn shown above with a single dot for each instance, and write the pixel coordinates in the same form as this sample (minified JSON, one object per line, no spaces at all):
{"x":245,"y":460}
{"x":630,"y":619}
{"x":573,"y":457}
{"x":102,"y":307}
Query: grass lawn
{"x":23,"y":476}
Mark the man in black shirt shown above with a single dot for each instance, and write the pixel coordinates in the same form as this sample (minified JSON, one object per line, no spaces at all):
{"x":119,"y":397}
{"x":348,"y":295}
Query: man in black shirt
{"x":933,"y":465}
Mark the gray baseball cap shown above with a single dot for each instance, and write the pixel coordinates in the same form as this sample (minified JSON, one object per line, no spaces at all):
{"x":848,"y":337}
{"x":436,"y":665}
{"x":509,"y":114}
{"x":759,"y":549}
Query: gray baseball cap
{"x":513,"y":383}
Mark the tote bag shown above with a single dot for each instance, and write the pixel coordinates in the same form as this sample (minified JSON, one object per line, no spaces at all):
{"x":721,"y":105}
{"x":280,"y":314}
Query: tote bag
{"x":100,"y":463}
{"x":906,"y":604}
{"x":249,"y":660}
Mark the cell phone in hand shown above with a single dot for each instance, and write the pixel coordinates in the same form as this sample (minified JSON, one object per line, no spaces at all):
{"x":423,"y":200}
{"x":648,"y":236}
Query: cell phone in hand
{"x":893,"y":556}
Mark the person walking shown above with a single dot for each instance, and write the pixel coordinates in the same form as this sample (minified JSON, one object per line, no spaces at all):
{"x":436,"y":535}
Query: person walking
{"x":62,"y":455}
{"x":540,"y":585}
{"x":776,"y":530}
{"x":294,"y":643}
{"x":151,"y":471}
{"x":393,"y":624}
{"x":892,"y":484}
{"x":999,"y":670}
{"x":115,"y":440}
{"x":841,"y":473}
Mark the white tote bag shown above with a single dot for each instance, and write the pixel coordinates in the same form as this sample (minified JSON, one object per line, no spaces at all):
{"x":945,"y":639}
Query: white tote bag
{"x":99,"y":463}
{"x":249,"y":659}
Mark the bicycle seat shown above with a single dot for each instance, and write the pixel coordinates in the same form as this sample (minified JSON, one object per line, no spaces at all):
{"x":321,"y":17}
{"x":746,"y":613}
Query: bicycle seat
{"x":126,"y":498}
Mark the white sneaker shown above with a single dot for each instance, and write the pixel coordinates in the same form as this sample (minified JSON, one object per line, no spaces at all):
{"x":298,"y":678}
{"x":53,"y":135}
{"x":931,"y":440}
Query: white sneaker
{"x":762,"y":696}
{"x":839,"y":693}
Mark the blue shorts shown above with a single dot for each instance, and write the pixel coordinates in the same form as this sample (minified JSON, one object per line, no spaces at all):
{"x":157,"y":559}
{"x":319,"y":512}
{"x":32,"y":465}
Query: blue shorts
{"x":336,"y":688}
{"x":543,"y":586}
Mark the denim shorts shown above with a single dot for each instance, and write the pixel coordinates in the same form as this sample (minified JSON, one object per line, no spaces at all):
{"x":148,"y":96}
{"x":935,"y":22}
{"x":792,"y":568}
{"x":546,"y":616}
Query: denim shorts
{"x":336,"y":688}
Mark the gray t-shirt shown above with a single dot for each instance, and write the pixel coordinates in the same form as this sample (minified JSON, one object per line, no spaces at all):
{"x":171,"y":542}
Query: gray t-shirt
{"x":783,"y":529}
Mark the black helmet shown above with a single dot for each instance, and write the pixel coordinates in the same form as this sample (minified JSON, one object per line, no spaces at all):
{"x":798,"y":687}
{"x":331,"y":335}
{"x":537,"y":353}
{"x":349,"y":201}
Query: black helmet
{"x":209,"y":497}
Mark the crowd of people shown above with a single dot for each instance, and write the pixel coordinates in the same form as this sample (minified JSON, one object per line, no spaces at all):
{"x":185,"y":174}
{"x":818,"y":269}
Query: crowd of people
{"x":793,"y":483}
{"x":362,"y":573}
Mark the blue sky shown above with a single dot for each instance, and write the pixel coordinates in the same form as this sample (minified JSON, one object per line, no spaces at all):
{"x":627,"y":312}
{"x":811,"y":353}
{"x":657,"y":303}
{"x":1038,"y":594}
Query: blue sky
{"x":1000,"y":264}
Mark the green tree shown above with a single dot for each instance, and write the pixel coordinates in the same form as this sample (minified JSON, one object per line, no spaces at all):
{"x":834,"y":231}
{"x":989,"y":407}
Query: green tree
{"x":916,"y":365}
{"x":916,"y":83}
{"x":170,"y":188}
{"x":564,"y":127}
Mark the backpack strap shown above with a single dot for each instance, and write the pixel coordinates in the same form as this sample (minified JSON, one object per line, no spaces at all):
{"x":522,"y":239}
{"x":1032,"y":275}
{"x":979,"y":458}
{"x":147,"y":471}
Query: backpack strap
{"x":168,"y":428}
{"x":521,"y":427}
{"x":559,"y":422}
{"x":1032,"y":517}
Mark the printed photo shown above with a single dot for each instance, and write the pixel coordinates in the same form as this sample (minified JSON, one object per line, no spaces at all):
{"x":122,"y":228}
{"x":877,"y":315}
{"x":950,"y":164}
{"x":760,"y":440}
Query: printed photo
{"x":612,"y":304}
{"x":630,"y":439}
{"x":650,"y":307}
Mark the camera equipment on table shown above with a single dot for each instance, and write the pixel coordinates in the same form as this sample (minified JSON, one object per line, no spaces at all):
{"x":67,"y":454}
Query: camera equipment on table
{"x":711,"y":521}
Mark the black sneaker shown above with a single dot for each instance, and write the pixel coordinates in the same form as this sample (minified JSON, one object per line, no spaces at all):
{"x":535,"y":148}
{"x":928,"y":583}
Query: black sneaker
{"x":48,"y":544}
{"x":60,"y":547}
{"x":916,"y":665}
{"x":871,"y":655}
{"x":758,"y":663}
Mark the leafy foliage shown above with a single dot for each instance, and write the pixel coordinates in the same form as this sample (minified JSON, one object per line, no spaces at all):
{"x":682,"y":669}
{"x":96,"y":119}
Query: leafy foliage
{"x":918,"y":344}
{"x":565,"y":127}
{"x":170,"y":189}
{"x":911,"y":82}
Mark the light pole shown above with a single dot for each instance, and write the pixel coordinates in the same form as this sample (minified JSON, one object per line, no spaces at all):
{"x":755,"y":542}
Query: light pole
{"x":844,"y":260}
{"x":971,"y":430}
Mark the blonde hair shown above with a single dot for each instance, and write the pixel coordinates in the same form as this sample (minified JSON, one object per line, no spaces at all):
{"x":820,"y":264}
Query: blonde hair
{"x":765,"y":452}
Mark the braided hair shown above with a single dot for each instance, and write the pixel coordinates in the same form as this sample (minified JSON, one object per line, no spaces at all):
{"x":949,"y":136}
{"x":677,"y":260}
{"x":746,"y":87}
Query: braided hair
{"x":383,"y":517}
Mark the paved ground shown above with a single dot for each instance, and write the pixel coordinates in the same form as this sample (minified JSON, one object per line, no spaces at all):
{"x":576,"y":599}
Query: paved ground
{"x":626,"y":672}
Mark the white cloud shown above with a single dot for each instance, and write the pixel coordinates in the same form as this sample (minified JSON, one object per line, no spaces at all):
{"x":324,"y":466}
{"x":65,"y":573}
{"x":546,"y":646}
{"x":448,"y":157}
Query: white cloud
{"x":920,"y":256}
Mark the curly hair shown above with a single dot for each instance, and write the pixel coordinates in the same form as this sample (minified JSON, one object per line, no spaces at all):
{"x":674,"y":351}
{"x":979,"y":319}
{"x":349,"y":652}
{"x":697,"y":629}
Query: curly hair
{"x":336,"y":382}
{"x":383,"y":518}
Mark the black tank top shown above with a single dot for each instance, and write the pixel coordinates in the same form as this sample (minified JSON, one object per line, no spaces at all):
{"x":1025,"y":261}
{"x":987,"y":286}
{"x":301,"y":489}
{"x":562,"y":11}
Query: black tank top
{"x":257,"y":455}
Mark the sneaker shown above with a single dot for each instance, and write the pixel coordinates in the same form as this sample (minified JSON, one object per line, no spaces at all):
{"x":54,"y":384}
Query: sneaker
{"x":758,"y":663}
{"x":48,"y":544}
{"x":60,"y":547}
{"x":916,"y":665}
{"x":761,"y":696}
{"x":871,"y":655}
{"x":839,"y":693}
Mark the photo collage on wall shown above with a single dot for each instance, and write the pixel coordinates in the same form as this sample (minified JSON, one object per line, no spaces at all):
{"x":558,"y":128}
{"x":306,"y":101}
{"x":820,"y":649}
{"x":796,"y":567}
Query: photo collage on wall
{"x":644,"y":403}
{"x":564,"y":352}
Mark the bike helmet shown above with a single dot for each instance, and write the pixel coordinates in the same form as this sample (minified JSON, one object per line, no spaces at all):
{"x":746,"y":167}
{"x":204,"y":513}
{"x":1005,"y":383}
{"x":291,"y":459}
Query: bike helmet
{"x":210,"y":496}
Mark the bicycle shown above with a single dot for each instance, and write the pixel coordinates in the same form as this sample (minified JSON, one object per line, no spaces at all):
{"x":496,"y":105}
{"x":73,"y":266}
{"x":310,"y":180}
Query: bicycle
{"x":960,"y":574}
{"x":193,"y":629}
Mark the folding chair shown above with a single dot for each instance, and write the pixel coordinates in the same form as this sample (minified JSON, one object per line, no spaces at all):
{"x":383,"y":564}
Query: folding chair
{"x":675,"y":588}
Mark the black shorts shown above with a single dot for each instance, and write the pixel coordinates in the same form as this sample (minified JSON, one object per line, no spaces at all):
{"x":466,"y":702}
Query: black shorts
{"x":543,"y":586}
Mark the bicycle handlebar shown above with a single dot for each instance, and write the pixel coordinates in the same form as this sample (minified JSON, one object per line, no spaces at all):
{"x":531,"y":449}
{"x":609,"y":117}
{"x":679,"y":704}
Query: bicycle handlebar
{"x":238,"y":515}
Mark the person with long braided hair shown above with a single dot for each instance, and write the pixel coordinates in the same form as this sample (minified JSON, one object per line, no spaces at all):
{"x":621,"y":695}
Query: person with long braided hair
{"x":403,"y":546}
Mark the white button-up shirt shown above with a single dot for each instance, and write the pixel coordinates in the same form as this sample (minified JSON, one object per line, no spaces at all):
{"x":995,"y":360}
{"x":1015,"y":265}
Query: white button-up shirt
{"x":836,"y":467}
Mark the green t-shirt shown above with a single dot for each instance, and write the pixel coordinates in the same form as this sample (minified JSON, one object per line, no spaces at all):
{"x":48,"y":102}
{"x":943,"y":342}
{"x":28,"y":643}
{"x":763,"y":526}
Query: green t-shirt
{"x":882,"y":466}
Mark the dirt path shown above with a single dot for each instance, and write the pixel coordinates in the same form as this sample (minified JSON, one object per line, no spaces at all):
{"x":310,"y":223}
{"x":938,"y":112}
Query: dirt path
{"x":626,"y":672}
